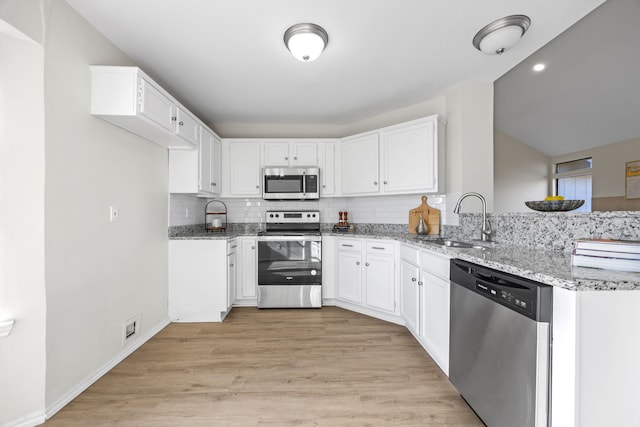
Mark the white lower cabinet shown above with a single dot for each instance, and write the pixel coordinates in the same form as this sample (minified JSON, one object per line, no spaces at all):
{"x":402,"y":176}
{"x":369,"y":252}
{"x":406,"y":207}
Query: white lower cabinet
{"x":247,"y":274}
{"x":350,"y":270}
{"x":410,"y":296}
{"x":424,"y":283}
{"x":198,"y":280}
{"x":232,"y":271}
{"x":366,"y":277}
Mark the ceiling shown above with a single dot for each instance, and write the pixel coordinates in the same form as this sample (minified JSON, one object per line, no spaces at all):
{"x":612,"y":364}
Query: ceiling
{"x":226,"y":60}
{"x":589,"y":93}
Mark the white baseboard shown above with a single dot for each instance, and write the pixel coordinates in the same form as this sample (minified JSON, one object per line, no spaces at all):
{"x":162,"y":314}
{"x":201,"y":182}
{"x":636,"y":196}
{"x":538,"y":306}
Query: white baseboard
{"x":82,"y":386}
{"x":31,"y":420}
{"x":370,"y":312}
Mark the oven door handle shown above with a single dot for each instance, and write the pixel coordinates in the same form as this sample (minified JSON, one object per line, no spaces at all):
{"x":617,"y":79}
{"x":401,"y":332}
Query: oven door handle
{"x":289,"y":238}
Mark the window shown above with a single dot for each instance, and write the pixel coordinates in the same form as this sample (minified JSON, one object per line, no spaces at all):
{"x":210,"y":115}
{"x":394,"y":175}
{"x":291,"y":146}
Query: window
{"x":573,"y":181}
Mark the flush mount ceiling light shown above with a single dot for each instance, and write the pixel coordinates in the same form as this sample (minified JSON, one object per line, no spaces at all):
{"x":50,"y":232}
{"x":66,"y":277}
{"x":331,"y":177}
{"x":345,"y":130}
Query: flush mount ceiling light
{"x":502,"y":34}
{"x":306,"y":41}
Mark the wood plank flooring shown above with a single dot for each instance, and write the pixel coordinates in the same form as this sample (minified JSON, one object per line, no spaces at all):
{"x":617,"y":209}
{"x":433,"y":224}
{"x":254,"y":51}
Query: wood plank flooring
{"x":317,"y":367}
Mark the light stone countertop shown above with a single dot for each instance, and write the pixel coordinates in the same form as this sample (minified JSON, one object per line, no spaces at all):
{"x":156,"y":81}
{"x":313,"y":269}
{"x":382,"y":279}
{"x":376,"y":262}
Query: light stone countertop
{"x":549,"y":267}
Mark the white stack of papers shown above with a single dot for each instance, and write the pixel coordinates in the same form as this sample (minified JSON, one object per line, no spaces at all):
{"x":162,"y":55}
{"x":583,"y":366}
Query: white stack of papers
{"x":608,"y":254}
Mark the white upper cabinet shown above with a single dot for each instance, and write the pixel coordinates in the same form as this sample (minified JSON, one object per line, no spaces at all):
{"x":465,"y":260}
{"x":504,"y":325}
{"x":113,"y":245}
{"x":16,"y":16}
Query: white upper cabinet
{"x":410,"y":157}
{"x":290,"y":153}
{"x":241,"y":168}
{"x":186,"y":126}
{"x":128,"y":98}
{"x":359,"y":171}
{"x":197,"y":171}
{"x":326,"y":162}
{"x":402,"y":159}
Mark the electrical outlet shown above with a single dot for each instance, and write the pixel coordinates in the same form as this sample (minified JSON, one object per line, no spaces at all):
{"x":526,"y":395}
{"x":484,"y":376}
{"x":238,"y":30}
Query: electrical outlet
{"x":131,"y":328}
{"x":114,"y":214}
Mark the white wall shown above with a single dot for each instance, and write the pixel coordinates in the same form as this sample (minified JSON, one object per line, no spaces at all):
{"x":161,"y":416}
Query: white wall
{"x":22,"y":285}
{"x":470,"y":145}
{"x":98,"y":274}
{"x":520,"y":174}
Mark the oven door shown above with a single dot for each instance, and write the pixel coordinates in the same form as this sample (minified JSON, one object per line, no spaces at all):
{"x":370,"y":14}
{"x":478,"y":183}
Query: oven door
{"x":289,"y":271}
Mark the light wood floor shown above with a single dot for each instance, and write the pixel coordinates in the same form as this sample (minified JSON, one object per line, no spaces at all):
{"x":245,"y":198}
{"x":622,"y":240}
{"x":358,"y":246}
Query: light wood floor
{"x":318,"y":367}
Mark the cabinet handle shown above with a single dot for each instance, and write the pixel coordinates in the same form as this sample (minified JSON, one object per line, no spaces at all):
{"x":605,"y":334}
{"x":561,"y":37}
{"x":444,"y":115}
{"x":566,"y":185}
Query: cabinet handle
{"x":357,"y":262}
{"x":173,"y":119}
{"x":385,"y":183}
{"x":419,"y":283}
{"x":253,"y":247}
{"x":375,"y":182}
{"x":181,"y":123}
{"x":286,"y":157}
{"x":366,"y":264}
{"x":377,"y":247}
{"x":257,"y":186}
{"x":344,"y":245}
{"x":295,"y":158}
{"x":230,"y":265}
{"x":413,"y":279}
{"x":214,"y":184}
{"x":324,"y":186}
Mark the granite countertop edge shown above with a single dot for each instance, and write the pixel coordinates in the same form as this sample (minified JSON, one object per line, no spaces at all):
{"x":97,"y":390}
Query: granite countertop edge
{"x":549,"y":267}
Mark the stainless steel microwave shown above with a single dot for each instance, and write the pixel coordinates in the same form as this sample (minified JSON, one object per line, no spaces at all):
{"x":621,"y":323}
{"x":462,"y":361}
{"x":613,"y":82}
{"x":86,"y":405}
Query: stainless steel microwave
{"x":291,"y":183}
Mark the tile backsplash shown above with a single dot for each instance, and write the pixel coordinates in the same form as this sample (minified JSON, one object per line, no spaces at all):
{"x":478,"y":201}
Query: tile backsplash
{"x":362,"y":210}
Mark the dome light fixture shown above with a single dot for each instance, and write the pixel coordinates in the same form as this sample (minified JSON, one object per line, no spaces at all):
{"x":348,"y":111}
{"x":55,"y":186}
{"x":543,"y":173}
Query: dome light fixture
{"x":501,"y":35}
{"x":306,"y":41}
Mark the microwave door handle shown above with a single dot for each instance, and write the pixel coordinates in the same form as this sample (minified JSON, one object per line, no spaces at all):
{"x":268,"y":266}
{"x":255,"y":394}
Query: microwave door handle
{"x":304,"y":183}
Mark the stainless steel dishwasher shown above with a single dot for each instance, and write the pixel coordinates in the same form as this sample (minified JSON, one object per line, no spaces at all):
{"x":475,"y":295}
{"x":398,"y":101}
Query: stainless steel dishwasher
{"x":500,"y":345}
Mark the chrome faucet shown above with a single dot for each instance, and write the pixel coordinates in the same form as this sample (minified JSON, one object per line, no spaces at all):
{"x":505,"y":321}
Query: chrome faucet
{"x":486,"y":227}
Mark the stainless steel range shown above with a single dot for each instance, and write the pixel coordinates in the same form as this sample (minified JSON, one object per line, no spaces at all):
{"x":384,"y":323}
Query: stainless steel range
{"x":290,"y":260}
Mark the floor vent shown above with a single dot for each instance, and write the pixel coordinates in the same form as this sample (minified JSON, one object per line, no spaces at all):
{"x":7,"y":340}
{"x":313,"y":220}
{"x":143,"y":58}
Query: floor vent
{"x":131,"y":328}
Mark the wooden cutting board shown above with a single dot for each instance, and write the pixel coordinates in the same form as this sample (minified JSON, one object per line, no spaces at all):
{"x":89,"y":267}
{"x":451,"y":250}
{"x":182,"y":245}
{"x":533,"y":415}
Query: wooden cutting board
{"x":431,"y":217}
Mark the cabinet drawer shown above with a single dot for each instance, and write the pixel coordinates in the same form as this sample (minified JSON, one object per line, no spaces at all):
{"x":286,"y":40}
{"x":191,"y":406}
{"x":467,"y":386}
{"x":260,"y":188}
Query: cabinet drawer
{"x":435,"y":263}
{"x":349,"y":245}
{"x":410,"y":254}
{"x":380,"y":247}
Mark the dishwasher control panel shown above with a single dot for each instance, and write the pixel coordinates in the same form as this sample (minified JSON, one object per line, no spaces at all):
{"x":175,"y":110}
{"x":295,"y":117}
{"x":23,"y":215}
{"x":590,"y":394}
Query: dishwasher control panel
{"x":519,"y":294}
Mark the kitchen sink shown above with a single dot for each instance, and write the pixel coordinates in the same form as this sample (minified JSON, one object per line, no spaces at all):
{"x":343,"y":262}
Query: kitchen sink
{"x":454,"y":243}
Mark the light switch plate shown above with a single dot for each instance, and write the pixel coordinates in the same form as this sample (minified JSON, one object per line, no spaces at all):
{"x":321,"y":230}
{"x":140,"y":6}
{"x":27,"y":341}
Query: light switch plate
{"x":114,"y":214}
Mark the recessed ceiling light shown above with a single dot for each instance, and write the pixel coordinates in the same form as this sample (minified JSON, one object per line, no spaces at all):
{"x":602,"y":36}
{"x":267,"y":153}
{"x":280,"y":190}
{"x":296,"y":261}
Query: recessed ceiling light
{"x":539,"y":67}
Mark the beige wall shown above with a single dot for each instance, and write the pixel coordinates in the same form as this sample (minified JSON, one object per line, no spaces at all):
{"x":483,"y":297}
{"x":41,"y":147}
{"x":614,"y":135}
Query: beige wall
{"x":608,"y":165}
{"x":520,"y":174}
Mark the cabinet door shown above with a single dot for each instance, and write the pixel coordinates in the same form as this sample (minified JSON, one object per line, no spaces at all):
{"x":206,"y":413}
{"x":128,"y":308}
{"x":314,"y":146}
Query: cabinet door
{"x":247,"y":274}
{"x":155,"y":106}
{"x":244,"y":169}
{"x":410,"y":158}
{"x":380,"y":283}
{"x":303,"y":154}
{"x":326,"y":152}
{"x":232,"y":270}
{"x":410,"y":296}
{"x":276,"y":154}
{"x":204,"y":161}
{"x":435,"y":322}
{"x":216,"y":152}
{"x":359,"y":171}
{"x":350,"y":276}
{"x":186,"y":126}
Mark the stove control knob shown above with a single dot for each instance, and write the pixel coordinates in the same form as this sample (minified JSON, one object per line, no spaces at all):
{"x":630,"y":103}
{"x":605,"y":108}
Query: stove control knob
{"x":277,"y":215}
{"x":308,"y":215}
{"x":270,"y":215}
